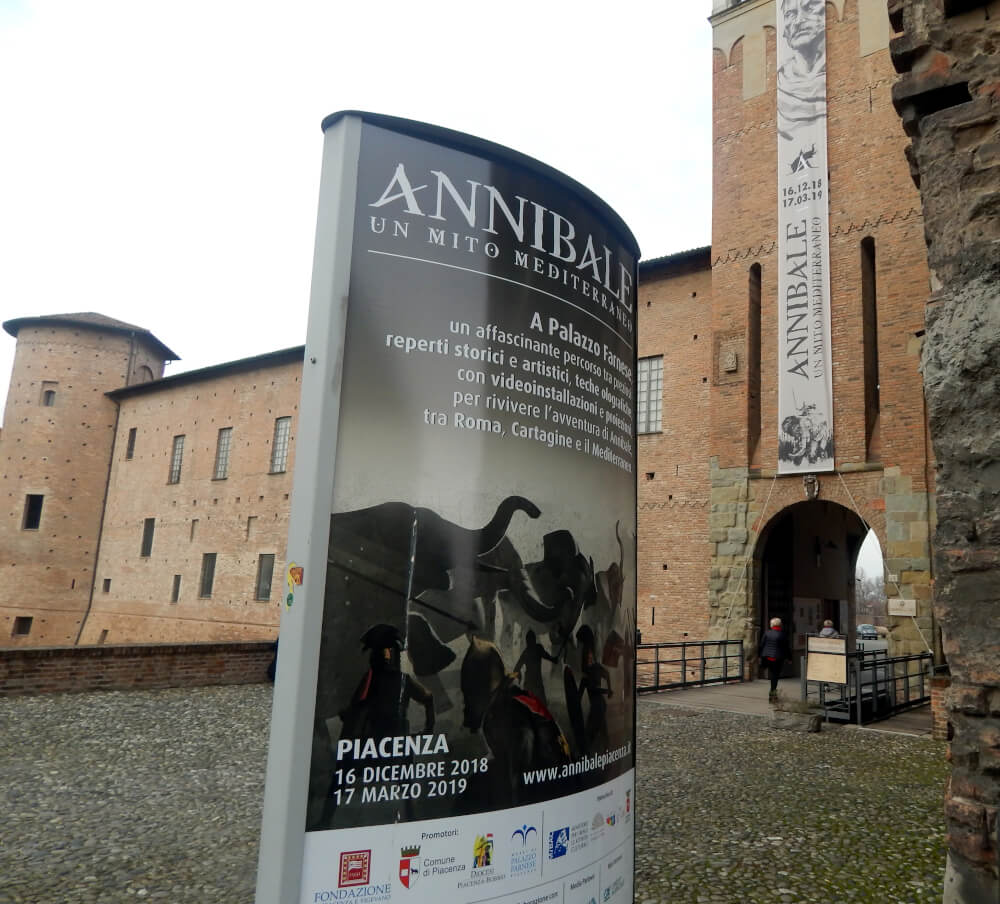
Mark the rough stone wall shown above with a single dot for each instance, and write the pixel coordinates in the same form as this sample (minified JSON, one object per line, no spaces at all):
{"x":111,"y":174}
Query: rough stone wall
{"x":948,"y":97}
{"x":60,"y":452}
{"x":673,"y":471}
{"x":238,"y":518}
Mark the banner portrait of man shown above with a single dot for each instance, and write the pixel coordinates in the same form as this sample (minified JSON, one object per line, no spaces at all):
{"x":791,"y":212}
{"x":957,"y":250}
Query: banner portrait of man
{"x":802,"y":75}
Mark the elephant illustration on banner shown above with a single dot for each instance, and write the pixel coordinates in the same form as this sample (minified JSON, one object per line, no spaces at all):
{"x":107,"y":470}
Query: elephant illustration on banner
{"x":805,"y":436}
{"x":441,"y":588}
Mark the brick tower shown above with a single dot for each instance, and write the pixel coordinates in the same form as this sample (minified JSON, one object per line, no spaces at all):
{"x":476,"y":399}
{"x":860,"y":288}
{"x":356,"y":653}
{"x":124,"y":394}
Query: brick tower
{"x":55,"y":453}
{"x":763,"y":540}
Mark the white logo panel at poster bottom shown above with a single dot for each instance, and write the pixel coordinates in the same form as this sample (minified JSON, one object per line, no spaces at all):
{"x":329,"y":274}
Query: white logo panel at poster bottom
{"x":570,"y":850}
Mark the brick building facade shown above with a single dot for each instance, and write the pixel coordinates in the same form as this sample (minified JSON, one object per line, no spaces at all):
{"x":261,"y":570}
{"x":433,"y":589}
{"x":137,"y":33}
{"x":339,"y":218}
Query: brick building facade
{"x":196,"y":518}
{"x":55,"y":448}
{"x":724,"y":542}
{"x":141,"y":508}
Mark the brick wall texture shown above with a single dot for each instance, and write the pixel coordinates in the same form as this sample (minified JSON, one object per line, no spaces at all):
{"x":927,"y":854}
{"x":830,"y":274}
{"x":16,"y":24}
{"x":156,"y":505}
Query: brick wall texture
{"x":238,"y":517}
{"x":673,"y":472}
{"x":77,"y":669}
{"x":60,"y":452}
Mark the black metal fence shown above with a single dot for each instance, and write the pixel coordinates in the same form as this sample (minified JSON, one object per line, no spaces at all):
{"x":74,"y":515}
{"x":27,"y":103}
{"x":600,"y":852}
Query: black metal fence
{"x":689,"y":663}
{"x":878,"y":686}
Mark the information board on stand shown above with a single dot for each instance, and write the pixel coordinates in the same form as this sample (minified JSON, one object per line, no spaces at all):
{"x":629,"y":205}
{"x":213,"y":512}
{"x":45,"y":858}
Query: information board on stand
{"x":455,"y":715}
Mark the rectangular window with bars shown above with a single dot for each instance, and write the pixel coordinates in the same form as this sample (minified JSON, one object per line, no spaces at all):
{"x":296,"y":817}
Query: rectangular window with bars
{"x":176,"y":457}
{"x":265,"y":574}
{"x":222,"y":453}
{"x":207,"y":575}
{"x":650,"y":395}
{"x":279,"y":447}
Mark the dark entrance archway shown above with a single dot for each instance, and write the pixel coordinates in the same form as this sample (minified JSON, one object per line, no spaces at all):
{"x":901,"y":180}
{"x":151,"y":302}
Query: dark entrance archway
{"x":805,"y":562}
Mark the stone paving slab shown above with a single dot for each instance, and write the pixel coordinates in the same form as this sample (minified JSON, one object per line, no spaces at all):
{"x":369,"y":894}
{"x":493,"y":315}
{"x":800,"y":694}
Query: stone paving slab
{"x":155,"y":795}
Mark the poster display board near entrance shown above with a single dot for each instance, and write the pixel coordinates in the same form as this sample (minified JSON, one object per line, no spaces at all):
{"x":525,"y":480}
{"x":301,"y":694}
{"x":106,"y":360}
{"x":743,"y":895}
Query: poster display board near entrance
{"x":468,"y":640}
{"x":826,"y":659}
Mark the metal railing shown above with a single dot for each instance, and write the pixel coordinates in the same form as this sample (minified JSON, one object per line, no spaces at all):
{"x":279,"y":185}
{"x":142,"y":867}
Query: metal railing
{"x":689,"y":663}
{"x":878,"y":686}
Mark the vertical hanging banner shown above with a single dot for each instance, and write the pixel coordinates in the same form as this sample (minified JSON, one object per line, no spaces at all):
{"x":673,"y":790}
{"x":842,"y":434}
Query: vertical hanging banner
{"x":468,"y":645}
{"x":805,"y":385}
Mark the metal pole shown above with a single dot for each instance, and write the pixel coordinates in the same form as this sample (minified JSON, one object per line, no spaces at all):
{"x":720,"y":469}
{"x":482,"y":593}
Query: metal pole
{"x":857,"y":687}
{"x":282,"y":838}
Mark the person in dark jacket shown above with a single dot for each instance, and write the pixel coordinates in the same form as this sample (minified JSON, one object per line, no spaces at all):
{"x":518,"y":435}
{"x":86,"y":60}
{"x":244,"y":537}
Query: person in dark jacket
{"x":774,"y":650}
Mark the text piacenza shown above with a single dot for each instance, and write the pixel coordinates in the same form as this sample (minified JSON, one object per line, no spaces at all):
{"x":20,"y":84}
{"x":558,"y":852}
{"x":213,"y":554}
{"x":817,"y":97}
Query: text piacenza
{"x":396,"y":746}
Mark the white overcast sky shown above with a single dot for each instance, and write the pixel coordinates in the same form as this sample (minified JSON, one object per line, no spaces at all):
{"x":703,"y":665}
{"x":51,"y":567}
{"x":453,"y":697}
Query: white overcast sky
{"x":159,"y":162}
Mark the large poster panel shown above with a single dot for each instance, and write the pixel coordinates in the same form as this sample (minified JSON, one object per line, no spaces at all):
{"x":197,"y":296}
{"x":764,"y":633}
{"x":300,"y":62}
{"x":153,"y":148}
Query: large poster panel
{"x":473,"y":733}
{"x":805,"y":386}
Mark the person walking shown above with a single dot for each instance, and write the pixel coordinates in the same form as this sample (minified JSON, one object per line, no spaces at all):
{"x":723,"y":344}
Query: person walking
{"x":774,"y":651}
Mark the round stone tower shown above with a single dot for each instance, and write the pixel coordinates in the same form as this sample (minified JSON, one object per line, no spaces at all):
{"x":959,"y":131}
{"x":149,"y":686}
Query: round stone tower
{"x":55,"y":456}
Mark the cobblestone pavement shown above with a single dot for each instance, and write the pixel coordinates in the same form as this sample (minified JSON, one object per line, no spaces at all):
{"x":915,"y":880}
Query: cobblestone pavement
{"x":731,"y":810}
{"x":127,"y":797}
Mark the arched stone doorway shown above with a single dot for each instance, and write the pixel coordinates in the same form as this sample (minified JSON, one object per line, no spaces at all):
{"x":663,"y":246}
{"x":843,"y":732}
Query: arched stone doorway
{"x":804,"y":567}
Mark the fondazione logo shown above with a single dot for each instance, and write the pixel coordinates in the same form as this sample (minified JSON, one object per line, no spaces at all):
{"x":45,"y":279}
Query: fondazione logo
{"x":355,"y":868}
{"x":354,"y":882}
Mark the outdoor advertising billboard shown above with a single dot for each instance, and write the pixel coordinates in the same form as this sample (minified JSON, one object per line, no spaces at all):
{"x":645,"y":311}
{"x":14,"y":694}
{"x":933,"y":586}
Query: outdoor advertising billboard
{"x":454,"y":710}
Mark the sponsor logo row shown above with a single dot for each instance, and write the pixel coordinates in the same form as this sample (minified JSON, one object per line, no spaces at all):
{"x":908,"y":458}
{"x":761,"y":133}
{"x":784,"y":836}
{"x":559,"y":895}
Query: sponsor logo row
{"x":479,"y":864}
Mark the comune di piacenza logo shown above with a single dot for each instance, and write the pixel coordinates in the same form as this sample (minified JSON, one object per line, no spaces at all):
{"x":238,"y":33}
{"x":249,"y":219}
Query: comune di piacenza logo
{"x":409,"y":866}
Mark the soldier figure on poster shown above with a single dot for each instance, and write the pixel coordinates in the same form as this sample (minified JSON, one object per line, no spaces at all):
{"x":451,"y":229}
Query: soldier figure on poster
{"x":486,"y":609}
